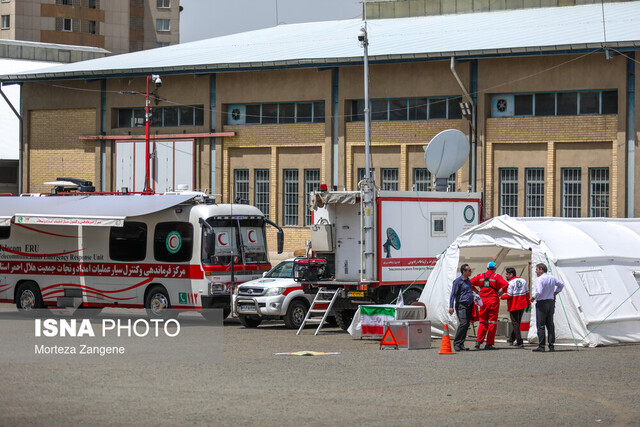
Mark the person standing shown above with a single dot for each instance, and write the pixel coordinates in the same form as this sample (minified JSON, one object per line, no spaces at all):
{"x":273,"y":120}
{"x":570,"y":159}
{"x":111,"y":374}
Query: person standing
{"x":491,"y":286}
{"x":462,"y":299}
{"x":547,"y":287}
{"x":517,"y":297}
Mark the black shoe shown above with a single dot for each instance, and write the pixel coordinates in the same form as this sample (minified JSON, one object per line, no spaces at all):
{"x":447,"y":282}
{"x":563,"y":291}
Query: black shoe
{"x":465,"y":348}
{"x":552,"y":349}
{"x":489,"y":347}
{"x":477,"y":346}
{"x":457,"y":349}
{"x":518,"y":345}
{"x":541,"y":349}
{"x":509,"y":342}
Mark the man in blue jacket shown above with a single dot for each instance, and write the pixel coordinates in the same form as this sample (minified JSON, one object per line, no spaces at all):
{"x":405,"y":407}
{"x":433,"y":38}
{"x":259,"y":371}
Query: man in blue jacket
{"x":462,"y":300}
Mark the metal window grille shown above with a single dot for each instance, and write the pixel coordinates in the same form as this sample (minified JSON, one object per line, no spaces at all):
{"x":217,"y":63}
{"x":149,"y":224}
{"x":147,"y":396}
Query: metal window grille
{"x":534,"y":187}
{"x":311,"y":183}
{"x":421,"y":179}
{"x":241,"y":185}
{"x":599,"y":192}
{"x":262,"y":191}
{"x":390,"y":179}
{"x":508,"y":191}
{"x":451,"y":182}
{"x":571,"y":192}
{"x":290,"y":196}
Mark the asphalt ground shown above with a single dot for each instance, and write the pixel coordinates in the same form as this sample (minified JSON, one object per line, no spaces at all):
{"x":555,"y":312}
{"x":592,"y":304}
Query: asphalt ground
{"x":362,"y":385}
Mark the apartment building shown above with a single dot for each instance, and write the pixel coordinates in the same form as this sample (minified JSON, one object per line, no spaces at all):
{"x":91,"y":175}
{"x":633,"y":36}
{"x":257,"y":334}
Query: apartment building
{"x":119,"y":26}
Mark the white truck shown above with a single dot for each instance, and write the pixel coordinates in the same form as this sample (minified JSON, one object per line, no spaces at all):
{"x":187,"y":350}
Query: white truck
{"x":275,"y":296}
{"x":410,"y":230}
{"x":159,"y":252}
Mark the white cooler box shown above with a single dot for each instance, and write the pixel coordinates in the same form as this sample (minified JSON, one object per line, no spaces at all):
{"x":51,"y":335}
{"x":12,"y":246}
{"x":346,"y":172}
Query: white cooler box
{"x":410,"y":334}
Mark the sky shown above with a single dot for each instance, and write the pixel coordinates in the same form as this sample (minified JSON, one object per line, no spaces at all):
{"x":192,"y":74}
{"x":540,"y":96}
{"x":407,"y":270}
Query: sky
{"x":202,"y":19}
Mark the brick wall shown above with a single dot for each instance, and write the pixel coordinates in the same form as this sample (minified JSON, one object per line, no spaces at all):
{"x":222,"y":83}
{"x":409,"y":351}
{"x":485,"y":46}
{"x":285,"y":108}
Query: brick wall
{"x":54,"y":148}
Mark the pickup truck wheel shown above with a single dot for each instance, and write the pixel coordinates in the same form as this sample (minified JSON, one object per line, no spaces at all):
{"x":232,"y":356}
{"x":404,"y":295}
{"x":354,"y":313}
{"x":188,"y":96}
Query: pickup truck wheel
{"x":344,"y":318}
{"x":28,"y":298}
{"x":295,"y":314}
{"x":250,"y":321}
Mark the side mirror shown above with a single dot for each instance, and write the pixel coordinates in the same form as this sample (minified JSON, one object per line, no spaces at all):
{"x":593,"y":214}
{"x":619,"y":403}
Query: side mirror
{"x":264,"y":273}
{"x":210,"y":243}
{"x":280,"y":241}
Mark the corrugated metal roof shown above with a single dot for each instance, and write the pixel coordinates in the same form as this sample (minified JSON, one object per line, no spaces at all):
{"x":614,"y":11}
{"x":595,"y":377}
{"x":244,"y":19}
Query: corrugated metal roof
{"x":522,"y":31}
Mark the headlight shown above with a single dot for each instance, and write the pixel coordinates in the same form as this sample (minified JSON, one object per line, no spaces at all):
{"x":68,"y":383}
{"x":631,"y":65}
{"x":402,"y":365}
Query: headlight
{"x":273,"y":292}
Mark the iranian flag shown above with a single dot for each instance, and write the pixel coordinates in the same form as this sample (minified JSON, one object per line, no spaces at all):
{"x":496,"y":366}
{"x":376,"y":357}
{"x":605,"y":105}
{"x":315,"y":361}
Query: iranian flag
{"x":373,"y":318}
{"x":525,"y":323}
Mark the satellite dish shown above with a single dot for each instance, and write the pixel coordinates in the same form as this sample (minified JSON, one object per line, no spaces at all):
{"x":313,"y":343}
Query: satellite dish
{"x":445,"y":154}
{"x":393,"y":241}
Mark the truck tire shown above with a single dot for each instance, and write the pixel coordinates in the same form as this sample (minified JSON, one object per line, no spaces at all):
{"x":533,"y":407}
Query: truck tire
{"x":28,"y":298}
{"x":250,"y":321}
{"x":344,"y":318}
{"x":295,"y":314}
{"x":411,"y":295}
{"x":157,"y":303}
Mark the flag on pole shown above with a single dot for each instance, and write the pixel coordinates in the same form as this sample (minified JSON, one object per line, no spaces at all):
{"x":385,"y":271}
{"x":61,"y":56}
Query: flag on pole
{"x":400,"y":300}
{"x":373,"y":318}
{"x":525,"y":323}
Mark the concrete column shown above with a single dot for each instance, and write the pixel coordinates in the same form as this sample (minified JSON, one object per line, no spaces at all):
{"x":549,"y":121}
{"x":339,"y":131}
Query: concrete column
{"x":550,"y":180}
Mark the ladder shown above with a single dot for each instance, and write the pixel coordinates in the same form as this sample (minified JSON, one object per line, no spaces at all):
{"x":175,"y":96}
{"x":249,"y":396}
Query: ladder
{"x":324,"y":297}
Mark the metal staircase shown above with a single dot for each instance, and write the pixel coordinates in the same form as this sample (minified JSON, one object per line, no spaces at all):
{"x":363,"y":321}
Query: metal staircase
{"x":321,"y":306}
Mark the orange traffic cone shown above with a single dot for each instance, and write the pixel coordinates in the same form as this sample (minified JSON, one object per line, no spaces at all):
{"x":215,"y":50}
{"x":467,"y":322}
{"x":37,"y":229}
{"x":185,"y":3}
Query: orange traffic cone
{"x":445,"y":347}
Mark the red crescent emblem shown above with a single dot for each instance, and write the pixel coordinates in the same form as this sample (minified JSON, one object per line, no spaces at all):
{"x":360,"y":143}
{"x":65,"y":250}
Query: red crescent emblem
{"x":250,"y":236}
{"x":173,"y":242}
{"x":220,"y":239}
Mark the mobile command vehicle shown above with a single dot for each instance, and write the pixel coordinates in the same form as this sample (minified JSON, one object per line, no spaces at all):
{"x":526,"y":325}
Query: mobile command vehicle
{"x":410,"y":229}
{"x":158,"y":252}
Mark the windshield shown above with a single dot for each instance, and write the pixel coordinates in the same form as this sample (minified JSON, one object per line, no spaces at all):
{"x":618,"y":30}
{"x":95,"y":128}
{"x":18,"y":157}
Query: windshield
{"x":282,"y":270}
{"x":242,"y":240}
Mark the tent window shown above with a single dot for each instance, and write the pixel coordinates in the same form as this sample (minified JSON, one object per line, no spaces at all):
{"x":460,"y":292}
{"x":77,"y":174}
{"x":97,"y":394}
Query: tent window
{"x":594,"y":282}
{"x":438,"y":225}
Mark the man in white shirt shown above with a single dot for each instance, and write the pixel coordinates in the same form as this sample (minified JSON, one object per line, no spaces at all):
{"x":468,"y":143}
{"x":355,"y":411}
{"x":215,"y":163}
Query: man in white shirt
{"x":547,"y":287}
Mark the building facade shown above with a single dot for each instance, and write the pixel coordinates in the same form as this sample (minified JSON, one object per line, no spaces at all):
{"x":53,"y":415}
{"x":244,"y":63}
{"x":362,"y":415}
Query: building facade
{"x":118,"y":26}
{"x":555,"y":133}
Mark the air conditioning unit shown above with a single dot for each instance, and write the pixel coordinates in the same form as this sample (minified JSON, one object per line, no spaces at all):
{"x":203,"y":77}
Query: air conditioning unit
{"x":236,"y":114}
{"x":502,"y":106}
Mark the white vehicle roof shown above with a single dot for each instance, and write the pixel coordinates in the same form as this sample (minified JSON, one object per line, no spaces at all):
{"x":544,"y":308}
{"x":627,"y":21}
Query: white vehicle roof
{"x":90,"y":210}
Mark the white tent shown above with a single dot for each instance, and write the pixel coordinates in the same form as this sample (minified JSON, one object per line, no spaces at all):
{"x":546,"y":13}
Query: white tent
{"x":598,"y":260}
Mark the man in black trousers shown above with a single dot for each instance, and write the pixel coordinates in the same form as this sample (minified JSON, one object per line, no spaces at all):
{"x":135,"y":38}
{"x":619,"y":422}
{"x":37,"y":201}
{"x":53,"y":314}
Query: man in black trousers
{"x":547,"y":287}
{"x":462,"y":299}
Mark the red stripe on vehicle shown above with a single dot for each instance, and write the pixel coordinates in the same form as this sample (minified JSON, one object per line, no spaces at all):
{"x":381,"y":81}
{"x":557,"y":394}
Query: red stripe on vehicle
{"x":44,"y":232}
{"x":171,"y":271}
{"x":408,"y":262}
{"x":289,"y":290}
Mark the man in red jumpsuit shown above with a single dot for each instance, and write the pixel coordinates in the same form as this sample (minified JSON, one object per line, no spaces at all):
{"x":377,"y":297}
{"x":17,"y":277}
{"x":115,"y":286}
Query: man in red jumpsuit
{"x":491,"y":285}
